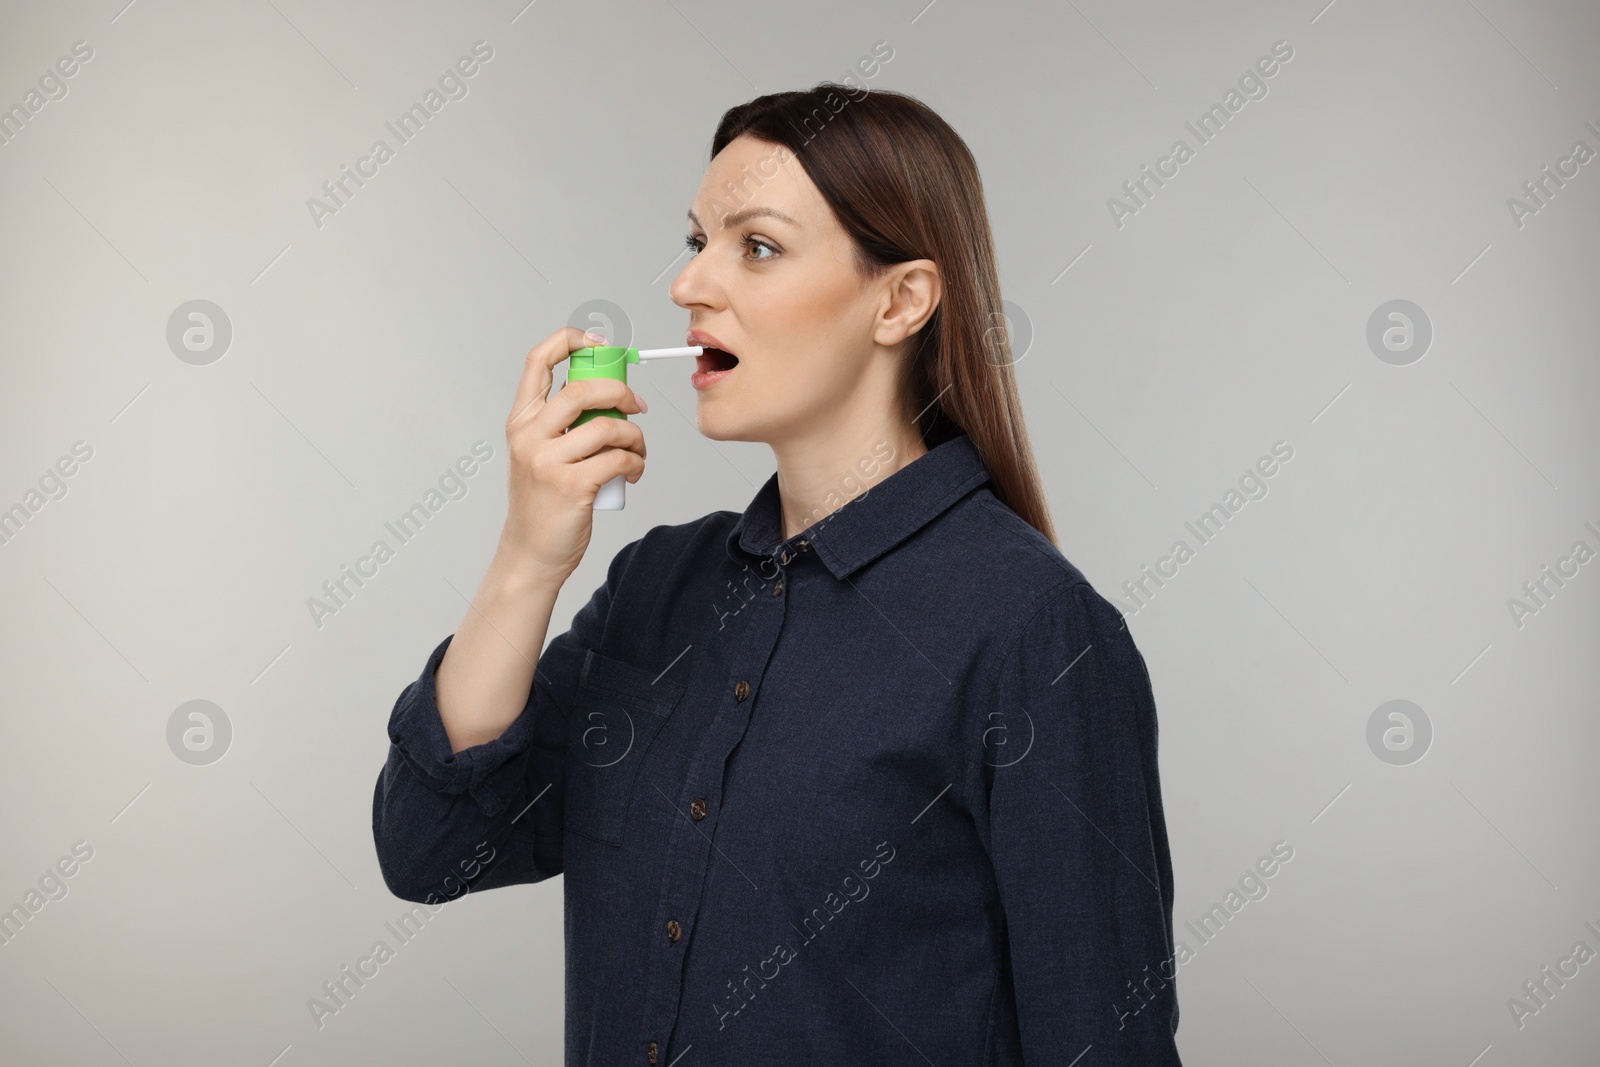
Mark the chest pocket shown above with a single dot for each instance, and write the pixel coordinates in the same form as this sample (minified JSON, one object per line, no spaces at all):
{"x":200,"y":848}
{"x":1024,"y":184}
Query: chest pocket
{"x":617,"y":712}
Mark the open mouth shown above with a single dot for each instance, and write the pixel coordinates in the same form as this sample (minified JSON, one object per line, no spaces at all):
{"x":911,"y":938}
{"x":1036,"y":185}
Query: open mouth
{"x":713,"y":360}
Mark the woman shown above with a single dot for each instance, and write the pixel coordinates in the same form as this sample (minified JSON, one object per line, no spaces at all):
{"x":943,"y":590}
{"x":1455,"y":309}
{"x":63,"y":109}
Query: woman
{"x":865,"y":774}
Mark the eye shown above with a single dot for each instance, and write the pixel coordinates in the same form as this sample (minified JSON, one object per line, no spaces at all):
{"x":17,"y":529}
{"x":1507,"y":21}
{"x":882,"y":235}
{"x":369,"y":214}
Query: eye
{"x":751,"y":242}
{"x":693,"y":244}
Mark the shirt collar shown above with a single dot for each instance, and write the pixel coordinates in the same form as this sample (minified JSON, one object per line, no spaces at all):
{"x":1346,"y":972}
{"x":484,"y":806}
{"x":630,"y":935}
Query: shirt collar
{"x":871,"y":524}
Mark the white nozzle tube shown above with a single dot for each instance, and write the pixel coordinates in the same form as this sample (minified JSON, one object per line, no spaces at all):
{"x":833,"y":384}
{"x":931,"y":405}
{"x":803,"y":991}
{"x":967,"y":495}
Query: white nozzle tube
{"x":663,"y":353}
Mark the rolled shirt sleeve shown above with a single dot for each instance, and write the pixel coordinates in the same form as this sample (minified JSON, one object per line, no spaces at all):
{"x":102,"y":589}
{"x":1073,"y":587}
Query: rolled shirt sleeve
{"x":1078,"y":838}
{"x":490,"y":815}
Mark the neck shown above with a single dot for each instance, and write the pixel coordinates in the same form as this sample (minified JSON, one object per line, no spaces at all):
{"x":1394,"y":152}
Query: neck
{"x":819,"y":474}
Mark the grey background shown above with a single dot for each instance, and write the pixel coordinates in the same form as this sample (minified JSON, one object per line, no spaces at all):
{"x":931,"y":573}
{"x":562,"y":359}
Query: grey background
{"x":369,"y":354}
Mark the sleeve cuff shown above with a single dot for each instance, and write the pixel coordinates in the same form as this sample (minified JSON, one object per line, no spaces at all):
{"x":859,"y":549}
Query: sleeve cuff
{"x":487,"y":772}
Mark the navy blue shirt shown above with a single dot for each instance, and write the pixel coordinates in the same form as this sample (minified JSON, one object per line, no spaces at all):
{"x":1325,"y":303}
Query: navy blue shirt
{"x":881,"y":793}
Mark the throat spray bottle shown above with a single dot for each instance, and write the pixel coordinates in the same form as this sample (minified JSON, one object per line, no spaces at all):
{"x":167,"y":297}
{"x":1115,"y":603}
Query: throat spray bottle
{"x":607,"y":361}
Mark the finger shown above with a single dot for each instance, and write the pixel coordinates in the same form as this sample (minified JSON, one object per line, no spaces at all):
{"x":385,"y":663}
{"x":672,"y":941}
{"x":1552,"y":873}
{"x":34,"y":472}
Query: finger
{"x":534,"y":385}
{"x":599,"y":469}
{"x":586,"y":394}
{"x":596,"y":435}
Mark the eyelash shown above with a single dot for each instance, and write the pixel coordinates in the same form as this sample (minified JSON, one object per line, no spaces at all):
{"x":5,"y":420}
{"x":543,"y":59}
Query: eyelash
{"x":747,"y":241}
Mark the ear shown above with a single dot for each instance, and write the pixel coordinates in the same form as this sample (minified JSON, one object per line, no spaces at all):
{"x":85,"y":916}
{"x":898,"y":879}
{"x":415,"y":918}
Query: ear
{"x":911,"y":294}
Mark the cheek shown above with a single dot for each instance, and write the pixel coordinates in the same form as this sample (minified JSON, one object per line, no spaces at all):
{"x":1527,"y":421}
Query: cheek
{"x":810,"y":305}
{"x":810,"y":332}
{"x":783,"y":374}
{"x":815,"y":377}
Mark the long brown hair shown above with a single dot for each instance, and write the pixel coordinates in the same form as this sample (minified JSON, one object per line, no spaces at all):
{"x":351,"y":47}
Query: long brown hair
{"x":904,"y":186}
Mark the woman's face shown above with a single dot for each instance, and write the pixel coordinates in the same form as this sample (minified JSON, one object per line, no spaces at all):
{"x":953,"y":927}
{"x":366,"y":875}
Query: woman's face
{"x":774,"y":282}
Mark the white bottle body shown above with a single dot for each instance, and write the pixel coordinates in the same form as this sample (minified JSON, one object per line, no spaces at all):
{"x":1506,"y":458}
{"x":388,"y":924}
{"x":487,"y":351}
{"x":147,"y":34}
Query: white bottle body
{"x":610,"y":496}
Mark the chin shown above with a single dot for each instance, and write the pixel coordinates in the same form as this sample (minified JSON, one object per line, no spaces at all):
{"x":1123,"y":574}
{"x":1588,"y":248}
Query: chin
{"x":720,"y":420}
{"x":713,"y":425}
{"x":747,"y":436}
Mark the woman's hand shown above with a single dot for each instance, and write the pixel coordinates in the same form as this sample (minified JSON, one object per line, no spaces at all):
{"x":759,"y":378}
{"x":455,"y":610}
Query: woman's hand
{"x":554,"y":475}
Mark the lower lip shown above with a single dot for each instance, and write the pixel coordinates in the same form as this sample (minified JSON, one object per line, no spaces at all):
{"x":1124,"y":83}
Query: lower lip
{"x":702,"y":379}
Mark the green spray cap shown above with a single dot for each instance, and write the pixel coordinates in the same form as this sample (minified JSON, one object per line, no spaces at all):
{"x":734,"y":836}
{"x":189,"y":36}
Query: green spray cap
{"x":610,"y":361}
{"x":606,"y":361}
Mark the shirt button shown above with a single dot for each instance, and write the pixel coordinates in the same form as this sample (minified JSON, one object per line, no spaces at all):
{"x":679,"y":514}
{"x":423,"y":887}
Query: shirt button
{"x":777,"y":590}
{"x":697,"y":809}
{"x":783,"y":557}
{"x":674,"y":931}
{"x":741,"y":690}
{"x":650,"y":1052}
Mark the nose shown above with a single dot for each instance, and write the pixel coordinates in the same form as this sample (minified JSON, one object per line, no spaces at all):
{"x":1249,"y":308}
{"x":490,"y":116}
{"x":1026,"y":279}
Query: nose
{"x":693,"y":286}
{"x":680,"y":288}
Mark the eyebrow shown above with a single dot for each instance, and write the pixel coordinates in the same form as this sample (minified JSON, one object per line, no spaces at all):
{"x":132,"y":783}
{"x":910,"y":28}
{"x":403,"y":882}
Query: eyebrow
{"x":748,"y":213}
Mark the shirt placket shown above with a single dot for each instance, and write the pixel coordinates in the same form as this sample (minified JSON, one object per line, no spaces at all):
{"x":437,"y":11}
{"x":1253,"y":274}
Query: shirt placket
{"x":699,"y":807}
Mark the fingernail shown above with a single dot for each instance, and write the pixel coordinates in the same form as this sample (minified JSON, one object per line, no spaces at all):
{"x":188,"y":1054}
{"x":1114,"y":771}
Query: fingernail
{"x":642,"y":405}
{"x":597,"y":338}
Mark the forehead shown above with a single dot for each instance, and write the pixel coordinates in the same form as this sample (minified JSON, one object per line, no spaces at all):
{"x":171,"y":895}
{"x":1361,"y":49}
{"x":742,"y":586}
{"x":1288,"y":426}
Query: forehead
{"x":749,"y":173}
